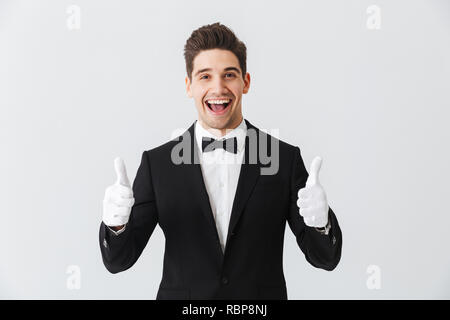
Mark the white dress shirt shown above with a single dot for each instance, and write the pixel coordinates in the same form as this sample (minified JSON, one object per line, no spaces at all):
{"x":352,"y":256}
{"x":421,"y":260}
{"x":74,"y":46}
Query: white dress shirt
{"x":220,"y":170}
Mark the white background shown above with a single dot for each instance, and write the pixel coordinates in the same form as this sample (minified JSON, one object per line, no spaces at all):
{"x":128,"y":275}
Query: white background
{"x":373,"y":103}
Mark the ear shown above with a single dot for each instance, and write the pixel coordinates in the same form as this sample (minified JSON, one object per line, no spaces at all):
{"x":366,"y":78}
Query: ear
{"x":188,"y":87}
{"x":246,"y":82}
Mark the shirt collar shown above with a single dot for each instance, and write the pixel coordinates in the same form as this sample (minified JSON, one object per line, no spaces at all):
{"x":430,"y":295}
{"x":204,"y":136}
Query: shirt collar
{"x":240,"y":132}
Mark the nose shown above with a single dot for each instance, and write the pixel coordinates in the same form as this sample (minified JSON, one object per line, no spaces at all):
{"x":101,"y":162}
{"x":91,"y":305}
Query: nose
{"x":218,"y":87}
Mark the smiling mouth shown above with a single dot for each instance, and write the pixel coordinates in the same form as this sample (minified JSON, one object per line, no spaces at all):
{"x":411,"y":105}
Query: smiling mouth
{"x":218,"y":107}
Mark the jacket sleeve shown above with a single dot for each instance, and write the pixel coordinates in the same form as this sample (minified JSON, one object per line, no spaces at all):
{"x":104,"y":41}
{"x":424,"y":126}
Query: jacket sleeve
{"x":320,"y":250}
{"x":121,"y":251}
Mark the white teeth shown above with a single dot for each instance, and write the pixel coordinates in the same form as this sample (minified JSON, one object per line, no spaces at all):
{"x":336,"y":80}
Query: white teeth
{"x":218,"y":101}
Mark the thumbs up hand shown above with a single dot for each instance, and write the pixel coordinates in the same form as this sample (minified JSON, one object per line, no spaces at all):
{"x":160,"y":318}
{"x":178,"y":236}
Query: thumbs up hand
{"x":312,"y":200}
{"x":119,"y":198}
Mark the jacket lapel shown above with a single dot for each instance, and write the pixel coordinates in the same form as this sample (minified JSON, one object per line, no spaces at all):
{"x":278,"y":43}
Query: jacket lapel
{"x":195,"y":176}
{"x":249,"y":174}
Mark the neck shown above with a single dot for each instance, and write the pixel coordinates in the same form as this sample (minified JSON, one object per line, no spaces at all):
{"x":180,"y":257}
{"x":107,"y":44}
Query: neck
{"x":223,"y":131}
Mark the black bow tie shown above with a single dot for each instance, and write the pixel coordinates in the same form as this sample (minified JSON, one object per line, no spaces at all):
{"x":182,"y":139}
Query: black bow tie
{"x":210,"y":144}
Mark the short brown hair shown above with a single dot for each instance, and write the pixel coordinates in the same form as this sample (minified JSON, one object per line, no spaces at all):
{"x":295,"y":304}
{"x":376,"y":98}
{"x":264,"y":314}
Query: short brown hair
{"x":214,"y":36}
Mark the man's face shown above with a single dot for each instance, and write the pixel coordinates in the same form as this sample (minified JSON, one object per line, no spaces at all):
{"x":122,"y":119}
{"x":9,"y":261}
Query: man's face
{"x":217,"y":87}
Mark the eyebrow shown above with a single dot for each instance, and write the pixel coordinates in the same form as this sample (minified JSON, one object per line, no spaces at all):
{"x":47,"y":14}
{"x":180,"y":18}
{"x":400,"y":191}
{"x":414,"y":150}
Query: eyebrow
{"x":226,"y":69}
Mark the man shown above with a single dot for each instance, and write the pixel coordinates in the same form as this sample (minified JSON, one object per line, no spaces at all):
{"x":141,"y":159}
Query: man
{"x":223,"y":211}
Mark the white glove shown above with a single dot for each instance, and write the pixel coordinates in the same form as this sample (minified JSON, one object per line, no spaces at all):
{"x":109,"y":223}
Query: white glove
{"x":312,"y":200}
{"x":118,"y":199}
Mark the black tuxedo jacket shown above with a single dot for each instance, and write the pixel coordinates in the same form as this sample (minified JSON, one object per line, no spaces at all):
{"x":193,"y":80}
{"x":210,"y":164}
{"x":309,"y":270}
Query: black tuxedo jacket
{"x":195,"y":267}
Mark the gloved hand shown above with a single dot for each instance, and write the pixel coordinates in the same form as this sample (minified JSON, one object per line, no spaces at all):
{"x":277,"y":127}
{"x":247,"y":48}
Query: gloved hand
{"x":119,"y":198}
{"x":312,"y":200}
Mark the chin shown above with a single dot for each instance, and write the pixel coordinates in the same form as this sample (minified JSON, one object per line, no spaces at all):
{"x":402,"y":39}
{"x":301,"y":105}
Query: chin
{"x":217,"y":123}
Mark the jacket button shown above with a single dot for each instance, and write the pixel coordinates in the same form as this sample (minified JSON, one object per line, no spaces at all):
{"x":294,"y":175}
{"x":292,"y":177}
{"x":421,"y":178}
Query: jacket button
{"x":224,"y":280}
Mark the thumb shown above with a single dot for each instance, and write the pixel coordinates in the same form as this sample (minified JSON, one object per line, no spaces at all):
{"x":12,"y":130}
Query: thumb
{"x":314,"y":171}
{"x":121,"y":172}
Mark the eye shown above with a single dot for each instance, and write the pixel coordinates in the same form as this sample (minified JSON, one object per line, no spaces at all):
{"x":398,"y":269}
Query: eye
{"x":230,"y":74}
{"x":203,"y":77}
